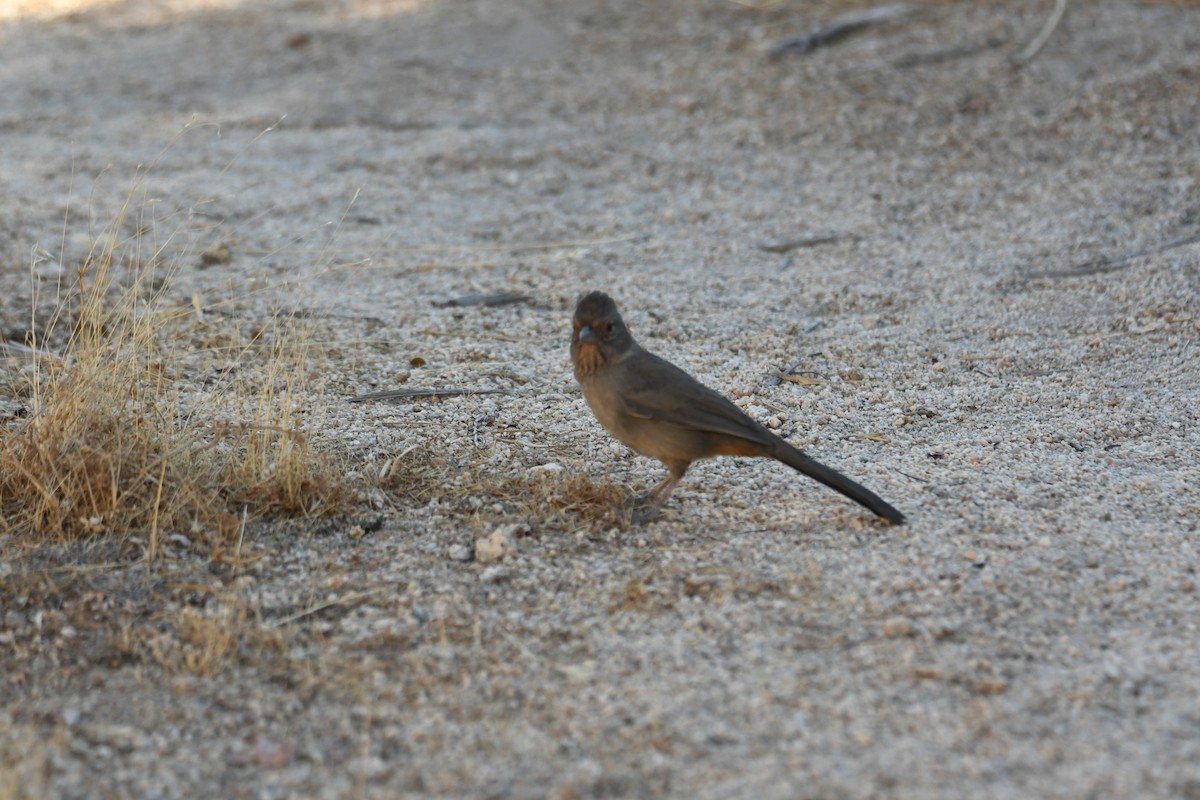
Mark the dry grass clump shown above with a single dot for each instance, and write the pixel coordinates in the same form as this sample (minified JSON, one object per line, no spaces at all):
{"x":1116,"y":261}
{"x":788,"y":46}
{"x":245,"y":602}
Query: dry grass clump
{"x":416,"y":476}
{"x":202,"y":644}
{"x":100,"y":448}
{"x":116,"y":439}
{"x":555,"y":499}
{"x":564,"y":500}
{"x":272,"y":464}
{"x":80,"y":467}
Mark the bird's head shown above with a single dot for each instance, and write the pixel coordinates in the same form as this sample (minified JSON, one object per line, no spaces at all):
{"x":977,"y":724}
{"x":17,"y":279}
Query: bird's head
{"x":597,"y":332}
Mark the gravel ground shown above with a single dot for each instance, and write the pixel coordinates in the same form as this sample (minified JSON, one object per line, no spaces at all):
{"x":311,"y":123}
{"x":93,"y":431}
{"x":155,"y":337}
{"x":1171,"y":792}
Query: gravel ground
{"x":979,"y":281}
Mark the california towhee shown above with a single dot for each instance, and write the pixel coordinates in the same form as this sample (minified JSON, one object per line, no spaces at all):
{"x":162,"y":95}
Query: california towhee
{"x":662,"y":412}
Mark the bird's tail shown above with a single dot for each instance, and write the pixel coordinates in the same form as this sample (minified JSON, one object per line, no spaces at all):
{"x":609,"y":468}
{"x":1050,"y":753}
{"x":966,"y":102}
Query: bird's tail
{"x":797,"y":460}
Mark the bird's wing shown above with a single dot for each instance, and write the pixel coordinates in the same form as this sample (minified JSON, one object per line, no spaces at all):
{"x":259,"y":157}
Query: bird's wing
{"x":669,"y":395}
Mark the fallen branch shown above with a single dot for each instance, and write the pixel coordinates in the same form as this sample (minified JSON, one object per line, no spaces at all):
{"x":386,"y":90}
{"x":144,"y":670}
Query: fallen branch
{"x":839,"y":29}
{"x":353,"y":597}
{"x":402,"y":394}
{"x":501,"y":299}
{"x":787,"y":245}
{"x":470,"y":335}
{"x":460,"y":246}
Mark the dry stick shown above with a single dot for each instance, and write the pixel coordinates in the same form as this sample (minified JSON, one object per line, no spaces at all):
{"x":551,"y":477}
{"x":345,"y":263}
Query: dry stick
{"x":87,"y":569}
{"x":840,"y":28}
{"x":787,"y":245}
{"x":500,"y":247}
{"x":914,"y":477}
{"x":468,"y":335}
{"x":801,"y":380}
{"x":1033,"y":48}
{"x":353,"y":597}
{"x":237,"y":553}
{"x":503,"y":298}
{"x":162,"y":478}
{"x":401,"y":394}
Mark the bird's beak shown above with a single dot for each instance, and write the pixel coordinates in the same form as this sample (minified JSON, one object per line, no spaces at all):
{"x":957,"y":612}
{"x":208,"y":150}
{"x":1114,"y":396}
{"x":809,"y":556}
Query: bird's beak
{"x":586,"y":334}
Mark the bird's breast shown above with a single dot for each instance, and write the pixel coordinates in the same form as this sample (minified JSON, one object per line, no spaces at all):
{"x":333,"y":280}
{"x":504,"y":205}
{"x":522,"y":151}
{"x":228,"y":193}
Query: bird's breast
{"x":603,"y":397}
{"x":587,"y":359}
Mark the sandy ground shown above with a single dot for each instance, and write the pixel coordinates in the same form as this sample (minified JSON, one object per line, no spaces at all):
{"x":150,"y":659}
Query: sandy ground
{"x":994,"y":283}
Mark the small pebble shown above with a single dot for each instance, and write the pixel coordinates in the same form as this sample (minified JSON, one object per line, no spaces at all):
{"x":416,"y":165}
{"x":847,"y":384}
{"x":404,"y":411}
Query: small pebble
{"x":493,"y":574}
{"x":499,"y":544}
{"x":461,"y":552}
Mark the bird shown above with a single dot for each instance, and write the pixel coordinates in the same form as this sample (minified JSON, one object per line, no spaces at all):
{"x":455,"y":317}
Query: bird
{"x":660,"y":411}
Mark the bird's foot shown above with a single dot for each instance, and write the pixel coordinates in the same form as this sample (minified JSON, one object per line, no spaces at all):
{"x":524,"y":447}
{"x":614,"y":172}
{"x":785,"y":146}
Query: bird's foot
{"x":637,"y":501}
{"x":641,"y":516}
{"x":648,"y":506}
{"x":645,"y":507}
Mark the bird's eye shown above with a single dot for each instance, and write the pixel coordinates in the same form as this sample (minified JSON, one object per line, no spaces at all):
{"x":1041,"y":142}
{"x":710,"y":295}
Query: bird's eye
{"x":608,"y":327}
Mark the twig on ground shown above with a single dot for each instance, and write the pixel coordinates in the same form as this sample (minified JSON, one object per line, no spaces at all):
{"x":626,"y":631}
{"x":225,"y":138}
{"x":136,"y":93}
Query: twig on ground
{"x":469,"y":335}
{"x":402,"y":394}
{"x":913,"y":477}
{"x":801,"y":379}
{"x":839,"y":29}
{"x":787,"y":245}
{"x":353,"y":597}
{"x":501,"y":299}
{"x":1034,"y":47}
{"x":794,"y":374}
{"x":368,"y":262}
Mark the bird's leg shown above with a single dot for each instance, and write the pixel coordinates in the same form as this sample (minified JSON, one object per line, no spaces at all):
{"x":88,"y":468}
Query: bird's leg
{"x":650,"y":497}
{"x":652,"y":503}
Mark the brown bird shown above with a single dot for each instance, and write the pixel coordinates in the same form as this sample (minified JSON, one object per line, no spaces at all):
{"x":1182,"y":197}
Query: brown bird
{"x":660,"y":411}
